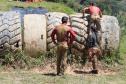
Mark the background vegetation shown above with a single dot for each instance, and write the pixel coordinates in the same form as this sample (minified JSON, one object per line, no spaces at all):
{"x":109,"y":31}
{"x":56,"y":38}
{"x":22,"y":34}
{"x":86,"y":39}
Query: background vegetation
{"x":57,"y":7}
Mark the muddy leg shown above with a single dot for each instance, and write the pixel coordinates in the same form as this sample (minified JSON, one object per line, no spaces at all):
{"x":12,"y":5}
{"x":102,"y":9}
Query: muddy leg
{"x":59,"y":57}
{"x":94,"y":65}
{"x":64,"y":60}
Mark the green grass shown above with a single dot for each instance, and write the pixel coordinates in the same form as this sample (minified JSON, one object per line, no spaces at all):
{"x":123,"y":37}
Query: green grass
{"x":57,"y":7}
{"x":122,"y":50}
{"x":23,"y":77}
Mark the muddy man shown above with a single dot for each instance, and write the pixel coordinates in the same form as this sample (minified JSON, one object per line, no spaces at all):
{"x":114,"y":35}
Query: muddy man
{"x":62,"y":36}
{"x":94,"y":17}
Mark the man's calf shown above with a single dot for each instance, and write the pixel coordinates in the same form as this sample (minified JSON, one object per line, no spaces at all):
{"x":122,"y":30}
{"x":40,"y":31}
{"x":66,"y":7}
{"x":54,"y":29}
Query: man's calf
{"x":93,"y":54}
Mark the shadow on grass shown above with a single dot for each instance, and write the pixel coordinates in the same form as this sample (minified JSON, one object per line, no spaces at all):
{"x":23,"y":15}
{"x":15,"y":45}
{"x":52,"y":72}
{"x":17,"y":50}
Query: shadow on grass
{"x":50,"y":74}
{"x":82,"y":72}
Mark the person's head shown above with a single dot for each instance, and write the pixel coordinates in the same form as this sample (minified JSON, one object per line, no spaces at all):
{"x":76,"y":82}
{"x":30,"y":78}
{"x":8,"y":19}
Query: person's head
{"x":64,"y":19}
{"x":92,"y":3}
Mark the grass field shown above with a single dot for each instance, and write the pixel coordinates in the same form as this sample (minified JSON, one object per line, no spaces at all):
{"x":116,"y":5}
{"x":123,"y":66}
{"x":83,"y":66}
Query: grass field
{"x":21,"y":76}
{"x":24,"y":77}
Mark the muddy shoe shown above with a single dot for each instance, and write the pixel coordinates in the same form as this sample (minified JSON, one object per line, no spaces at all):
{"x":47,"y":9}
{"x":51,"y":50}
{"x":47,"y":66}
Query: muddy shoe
{"x":95,"y":71}
{"x":60,"y":74}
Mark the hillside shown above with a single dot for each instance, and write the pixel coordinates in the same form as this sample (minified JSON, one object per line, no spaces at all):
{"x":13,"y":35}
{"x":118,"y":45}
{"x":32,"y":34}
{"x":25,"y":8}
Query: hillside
{"x":50,"y":6}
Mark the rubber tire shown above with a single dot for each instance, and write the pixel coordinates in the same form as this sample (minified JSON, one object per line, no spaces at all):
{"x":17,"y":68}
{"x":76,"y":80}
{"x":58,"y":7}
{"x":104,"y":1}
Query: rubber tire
{"x":79,"y":26}
{"x":10,"y":29}
{"x":109,"y":25}
{"x":53,"y":19}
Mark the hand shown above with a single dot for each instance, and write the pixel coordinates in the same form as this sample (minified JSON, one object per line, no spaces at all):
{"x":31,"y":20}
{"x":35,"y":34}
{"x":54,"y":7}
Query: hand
{"x":56,"y":44}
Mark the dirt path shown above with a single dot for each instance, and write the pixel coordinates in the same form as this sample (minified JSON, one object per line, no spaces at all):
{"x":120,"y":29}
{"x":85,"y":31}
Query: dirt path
{"x":76,"y":71}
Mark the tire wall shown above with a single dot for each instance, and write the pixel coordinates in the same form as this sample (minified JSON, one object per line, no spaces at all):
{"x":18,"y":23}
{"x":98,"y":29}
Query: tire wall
{"x":38,"y":28}
{"x":79,"y":25}
{"x":53,"y":19}
{"x":10,"y":30}
{"x":110,"y":32}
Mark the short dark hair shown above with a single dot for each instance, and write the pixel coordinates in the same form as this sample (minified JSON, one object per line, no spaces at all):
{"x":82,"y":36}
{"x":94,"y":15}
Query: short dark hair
{"x":64,"y":19}
{"x":92,"y":3}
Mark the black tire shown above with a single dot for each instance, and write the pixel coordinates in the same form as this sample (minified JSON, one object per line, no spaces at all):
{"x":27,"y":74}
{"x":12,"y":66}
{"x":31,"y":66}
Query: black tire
{"x":109,"y":26}
{"x":111,"y":33}
{"x":79,"y":26}
{"x":10,"y":29}
{"x":53,"y":19}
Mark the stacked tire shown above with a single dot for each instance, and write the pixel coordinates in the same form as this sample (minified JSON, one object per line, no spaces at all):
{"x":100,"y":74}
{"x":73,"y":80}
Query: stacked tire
{"x":53,"y":19}
{"x":110,"y":32}
{"x":109,"y":26}
{"x":10,"y":29}
{"x":79,"y":25}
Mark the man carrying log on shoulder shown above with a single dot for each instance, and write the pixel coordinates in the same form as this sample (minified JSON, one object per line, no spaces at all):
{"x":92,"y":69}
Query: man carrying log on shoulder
{"x":60,"y":37}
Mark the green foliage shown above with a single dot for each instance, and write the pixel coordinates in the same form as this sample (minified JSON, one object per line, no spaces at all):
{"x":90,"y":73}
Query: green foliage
{"x":112,"y":57}
{"x":70,"y":3}
{"x":75,"y":5}
{"x":19,"y":59}
{"x":15,"y":59}
{"x":122,"y":48}
{"x":54,"y":7}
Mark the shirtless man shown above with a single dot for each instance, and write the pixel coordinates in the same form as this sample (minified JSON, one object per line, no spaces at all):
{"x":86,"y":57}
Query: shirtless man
{"x":60,"y":37}
{"x":95,"y":15}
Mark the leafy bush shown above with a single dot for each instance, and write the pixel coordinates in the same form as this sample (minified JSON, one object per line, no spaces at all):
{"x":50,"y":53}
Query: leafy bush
{"x":18,"y":59}
{"x":74,"y":4}
{"x":15,"y":59}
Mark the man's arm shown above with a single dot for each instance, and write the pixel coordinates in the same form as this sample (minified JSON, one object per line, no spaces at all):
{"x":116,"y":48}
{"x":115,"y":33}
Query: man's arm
{"x":72,"y":36}
{"x":100,"y":13}
{"x":53,"y":36}
{"x":85,"y":10}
